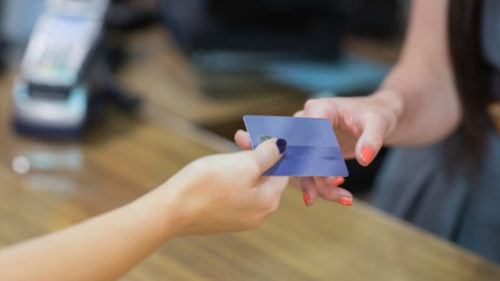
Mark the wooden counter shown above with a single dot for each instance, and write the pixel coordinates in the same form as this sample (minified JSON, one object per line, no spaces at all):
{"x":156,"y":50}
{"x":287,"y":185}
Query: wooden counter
{"x":125,"y":157}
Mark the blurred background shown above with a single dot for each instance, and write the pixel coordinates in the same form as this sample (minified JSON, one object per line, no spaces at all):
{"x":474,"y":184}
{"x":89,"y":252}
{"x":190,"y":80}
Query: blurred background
{"x":206,"y":62}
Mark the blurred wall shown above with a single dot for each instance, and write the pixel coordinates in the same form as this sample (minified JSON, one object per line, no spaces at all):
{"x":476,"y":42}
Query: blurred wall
{"x":16,"y":22}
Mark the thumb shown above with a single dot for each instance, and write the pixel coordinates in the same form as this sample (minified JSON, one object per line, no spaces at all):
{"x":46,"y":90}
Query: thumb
{"x":370,"y":142}
{"x":268,"y":153}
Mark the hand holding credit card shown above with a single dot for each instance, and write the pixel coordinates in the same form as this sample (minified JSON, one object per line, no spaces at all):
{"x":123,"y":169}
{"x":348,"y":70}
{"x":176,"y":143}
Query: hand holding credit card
{"x":312,"y":147}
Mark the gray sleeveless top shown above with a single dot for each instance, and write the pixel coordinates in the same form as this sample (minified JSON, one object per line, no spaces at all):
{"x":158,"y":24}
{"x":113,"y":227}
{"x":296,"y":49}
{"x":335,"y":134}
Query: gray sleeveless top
{"x":413,"y":182}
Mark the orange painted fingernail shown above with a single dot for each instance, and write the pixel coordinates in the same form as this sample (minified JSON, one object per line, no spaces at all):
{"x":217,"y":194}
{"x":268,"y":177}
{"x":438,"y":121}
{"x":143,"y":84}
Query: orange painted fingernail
{"x":346,"y":201}
{"x":305,"y":196}
{"x":338,"y":181}
{"x":367,"y":154}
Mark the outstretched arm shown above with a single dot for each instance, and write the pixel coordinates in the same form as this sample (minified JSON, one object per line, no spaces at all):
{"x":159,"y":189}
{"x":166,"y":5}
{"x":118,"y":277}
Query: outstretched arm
{"x":202,"y":198}
{"x":423,"y":79}
{"x":416,"y":105}
{"x":102,"y":248}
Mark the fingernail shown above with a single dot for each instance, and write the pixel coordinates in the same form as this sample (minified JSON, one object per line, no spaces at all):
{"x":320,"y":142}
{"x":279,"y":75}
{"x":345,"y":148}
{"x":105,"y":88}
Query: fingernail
{"x":305,"y":196}
{"x":367,"y":154}
{"x":338,"y":181}
{"x":346,"y":201}
{"x":281,"y":144}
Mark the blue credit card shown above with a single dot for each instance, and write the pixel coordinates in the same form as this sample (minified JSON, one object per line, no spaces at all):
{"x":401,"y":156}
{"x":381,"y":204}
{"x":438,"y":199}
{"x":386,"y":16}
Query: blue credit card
{"x":312,"y":148}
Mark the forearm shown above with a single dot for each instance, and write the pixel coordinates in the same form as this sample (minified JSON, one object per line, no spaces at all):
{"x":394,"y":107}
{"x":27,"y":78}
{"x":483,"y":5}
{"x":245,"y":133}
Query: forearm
{"x":103,"y":248}
{"x":426,"y":100}
{"x":422,"y":81}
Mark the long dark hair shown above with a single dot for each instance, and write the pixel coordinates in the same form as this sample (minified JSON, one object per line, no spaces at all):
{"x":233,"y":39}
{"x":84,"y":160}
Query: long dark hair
{"x":471,"y":75}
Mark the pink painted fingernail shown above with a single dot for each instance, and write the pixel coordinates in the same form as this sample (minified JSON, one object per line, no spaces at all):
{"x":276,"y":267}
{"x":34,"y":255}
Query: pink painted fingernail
{"x":305,"y":196}
{"x":367,"y":154}
{"x":338,"y":181}
{"x":346,"y":201}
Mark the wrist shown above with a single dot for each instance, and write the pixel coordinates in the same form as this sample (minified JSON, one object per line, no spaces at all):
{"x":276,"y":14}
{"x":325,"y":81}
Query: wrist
{"x":392,"y":103}
{"x":161,"y":210}
{"x":390,"y":99}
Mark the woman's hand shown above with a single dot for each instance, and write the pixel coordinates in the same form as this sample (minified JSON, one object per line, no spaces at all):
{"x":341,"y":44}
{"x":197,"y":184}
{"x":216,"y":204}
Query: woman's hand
{"x":226,"y":192}
{"x":361,"y":126}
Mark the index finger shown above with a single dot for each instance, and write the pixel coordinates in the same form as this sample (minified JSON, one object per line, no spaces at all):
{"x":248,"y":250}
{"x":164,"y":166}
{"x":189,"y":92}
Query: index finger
{"x":243,"y":140}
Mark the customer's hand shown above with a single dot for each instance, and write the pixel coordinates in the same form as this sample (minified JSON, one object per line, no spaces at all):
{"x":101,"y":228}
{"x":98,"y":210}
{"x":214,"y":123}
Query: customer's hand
{"x":361,"y":126}
{"x":226,"y":192}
